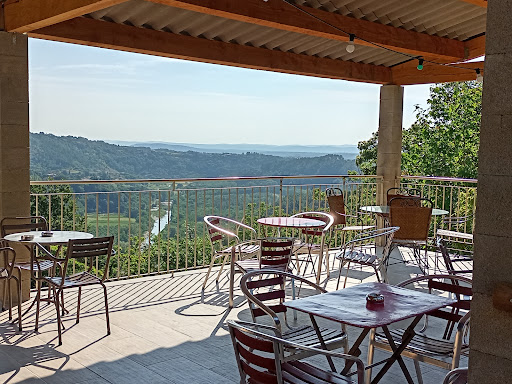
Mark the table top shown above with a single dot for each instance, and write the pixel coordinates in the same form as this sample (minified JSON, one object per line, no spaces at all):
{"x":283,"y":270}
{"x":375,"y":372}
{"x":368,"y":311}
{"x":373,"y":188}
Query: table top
{"x":291,"y":222}
{"x":349,"y":305}
{"x":384,"y":209}
{"x":59,"y":237}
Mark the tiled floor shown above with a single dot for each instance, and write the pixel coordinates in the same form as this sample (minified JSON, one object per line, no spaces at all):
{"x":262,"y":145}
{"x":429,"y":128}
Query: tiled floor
{"x":163,"y":331}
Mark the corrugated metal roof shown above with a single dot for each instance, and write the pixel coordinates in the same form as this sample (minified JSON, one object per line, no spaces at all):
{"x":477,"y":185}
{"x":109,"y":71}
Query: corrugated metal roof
{"x":445,"y":18}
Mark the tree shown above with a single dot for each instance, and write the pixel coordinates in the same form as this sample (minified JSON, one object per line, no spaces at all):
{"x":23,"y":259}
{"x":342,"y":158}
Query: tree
{"x":444,"y":139}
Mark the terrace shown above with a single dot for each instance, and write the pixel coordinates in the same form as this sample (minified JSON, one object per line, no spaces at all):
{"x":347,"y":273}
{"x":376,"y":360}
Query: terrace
{"x":297,"y":37}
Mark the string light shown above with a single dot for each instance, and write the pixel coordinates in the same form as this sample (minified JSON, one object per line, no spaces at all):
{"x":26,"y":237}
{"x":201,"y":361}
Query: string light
{"x":350,"y":46}
{"x":479,"y":76}
{"x":420,"y":64}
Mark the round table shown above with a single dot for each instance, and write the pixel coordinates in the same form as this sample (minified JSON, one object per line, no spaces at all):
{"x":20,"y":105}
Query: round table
{"x":57,"y":238}
{"x":291,"y":222}
{"x":384,"y":209}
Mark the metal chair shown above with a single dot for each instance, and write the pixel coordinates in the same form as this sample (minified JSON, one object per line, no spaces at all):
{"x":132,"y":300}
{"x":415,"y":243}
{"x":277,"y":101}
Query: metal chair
{"x":338,"y":209}
{"x":313,"y":240}
{"x":412,"y":215}
{"x":274,"y":253}
{"x":6,"y":274}
{"x":87,"y":249}
{"x":224,"y":239}
{"x":450,"y":260}
{"x":266,"y":292}
{"x":442,"y":351}
{"x":457,"y":376}
{"x":259,"y":358}
{"x":362,"y":251}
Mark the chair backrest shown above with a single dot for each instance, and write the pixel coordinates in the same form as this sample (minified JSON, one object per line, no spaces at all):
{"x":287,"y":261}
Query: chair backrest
{"x":221,"y":230}
{"x":412,"y":215}
{"x":265,"y":292}
{"x":258,"y":358}
{"x":317,"y":231}
{"x":8,"y":259}
{"x":275,"y":252}
{"x":88,"y":249}
{"x":10,"y":225}
{"x":401,"y":192}
{"x":336,"y":205}
{"x":458,"y":287}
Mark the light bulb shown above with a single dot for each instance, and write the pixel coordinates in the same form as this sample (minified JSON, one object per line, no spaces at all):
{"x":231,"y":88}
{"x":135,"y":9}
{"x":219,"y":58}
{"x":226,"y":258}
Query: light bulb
{"x":479,"y":76}
{"x":350,"y":45}
{"x":420,"y":64}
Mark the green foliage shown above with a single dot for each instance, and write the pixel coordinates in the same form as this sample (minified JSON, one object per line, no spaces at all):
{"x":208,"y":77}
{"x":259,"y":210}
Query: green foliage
{"x":444,"y":139}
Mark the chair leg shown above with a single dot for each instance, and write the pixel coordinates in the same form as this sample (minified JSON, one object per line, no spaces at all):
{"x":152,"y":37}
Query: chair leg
{"x":18,"y":285}
{"x":208,"y":272}
{"x":224,"y":260}
{"x":231,"y":279}
{"x":8,"y":281}
{"x":4,"y":292}
{"x":371,"y":351}
{"x":57,"y":307}
{"x":62,"y":302}
{"x":346,"y":275}
{"x":38,"y":305}
{"x":78,"y":305}
{"x":339,"y":275}
{"x":417,"y":368}
{"x":106,"y":308}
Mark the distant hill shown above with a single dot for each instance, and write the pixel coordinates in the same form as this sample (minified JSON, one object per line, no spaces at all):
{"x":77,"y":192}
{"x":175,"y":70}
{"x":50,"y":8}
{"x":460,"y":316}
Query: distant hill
{"x":347,"y":151}
{"x":68,"y":157}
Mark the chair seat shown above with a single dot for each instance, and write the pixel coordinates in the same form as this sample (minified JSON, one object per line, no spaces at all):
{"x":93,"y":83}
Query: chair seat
{"x":307,"y":336}
{"x":357,"y":228}
{"x":298,"y":372}
{"x":422,"y":344}
{"x":249,"y":265}
{"x":77,"y":280}
{"x":358,"y":257}
{"x":44,"y":265}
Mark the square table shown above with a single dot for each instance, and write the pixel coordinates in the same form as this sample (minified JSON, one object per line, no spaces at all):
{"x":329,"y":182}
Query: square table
{"x":349,"y":306}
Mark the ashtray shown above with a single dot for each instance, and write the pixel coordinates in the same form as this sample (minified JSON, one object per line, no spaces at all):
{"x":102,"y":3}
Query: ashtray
{"x":46,"y":234}
{"x":27,"y":237}
{"x":375,"y":298}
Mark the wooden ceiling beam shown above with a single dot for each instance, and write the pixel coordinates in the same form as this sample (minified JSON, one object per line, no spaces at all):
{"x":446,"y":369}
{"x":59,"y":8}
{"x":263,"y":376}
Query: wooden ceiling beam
{"x":140,"y":40}
{"x":278,"y":14}
{"x":408,"y":73}
{"x":26,"y":15}
{"x":475,"y":47}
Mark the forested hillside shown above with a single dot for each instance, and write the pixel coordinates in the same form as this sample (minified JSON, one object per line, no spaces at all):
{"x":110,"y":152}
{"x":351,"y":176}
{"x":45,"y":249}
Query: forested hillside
{"x":77,"y":158}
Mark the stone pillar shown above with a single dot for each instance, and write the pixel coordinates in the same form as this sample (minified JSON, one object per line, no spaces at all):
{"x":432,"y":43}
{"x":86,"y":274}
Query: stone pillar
{"x":491,"y":328}
{"x":389,"y":149}
{"x":14,"y":133}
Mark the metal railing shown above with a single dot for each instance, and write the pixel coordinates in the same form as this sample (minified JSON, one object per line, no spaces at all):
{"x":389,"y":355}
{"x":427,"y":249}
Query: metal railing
{"x":157,"y":224}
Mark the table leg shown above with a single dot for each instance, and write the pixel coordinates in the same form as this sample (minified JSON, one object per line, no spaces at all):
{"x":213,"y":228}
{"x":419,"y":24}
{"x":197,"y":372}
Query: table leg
{"x":322,"y":342}
{"x":355,"y":351}
{"x":396,"y":356}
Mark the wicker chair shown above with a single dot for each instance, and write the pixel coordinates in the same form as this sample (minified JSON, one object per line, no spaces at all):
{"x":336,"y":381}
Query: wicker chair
{"x":226,"y":235}
{"x":313,"y":240}
{"x":87,"y":249}
{"x":412,"y":215}
{"x":391,"y":193}
{"x":362,"y":251}
{"x":259,"y":358}
{"x":6,"y":274}
{"x":445,"y":351}
{"x":266,"y":292}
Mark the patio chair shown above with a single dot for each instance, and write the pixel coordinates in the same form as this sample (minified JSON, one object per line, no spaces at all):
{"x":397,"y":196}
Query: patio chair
{"x":457,"y":233}
{"x":412,"y":215}
{"x":442,"y":351}
{"x":338,"y":209}
{"x":450,"y":260}
{"x":224,"y":235}
{"x":391,"y":193}
{"x":274,"y":253}
{"x":266,"y":292}
{"x":313,"y":241}
{"x":6,"y":274}
{"x":99,"y":248}
{"x":457,"y":376}
{"x":362,"y":251}
{"x":259,"y":358}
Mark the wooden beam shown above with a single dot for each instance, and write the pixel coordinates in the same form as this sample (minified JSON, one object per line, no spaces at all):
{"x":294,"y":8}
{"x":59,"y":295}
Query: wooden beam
{"x":26,"y":15}
{"x":408,"y":73}
{"x":475,"y":47}
{"x":278,"y":14}
{"x":140,"y":40}
{"x":480,"y":3}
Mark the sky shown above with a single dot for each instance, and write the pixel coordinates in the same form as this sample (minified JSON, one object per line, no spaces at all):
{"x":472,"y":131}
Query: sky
{"x":104,"y":94}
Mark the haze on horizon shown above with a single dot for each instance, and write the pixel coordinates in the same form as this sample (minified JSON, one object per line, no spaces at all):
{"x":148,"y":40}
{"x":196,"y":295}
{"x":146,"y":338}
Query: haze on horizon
{"x":109,"y":95}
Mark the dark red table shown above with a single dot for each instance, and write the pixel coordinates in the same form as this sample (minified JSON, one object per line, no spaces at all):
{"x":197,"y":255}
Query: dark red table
{"x":349,"y":306}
